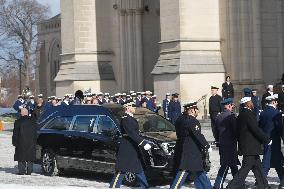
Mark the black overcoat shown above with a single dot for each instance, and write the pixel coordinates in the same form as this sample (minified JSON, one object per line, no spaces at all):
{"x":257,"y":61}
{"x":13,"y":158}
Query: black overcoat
{"x":251,"y":137}
{"x":24,"y":139}
{"x":129,"y":155}
{"x":190,"y":144}
{"x":227,"y":90}
{"x":227,"y":128}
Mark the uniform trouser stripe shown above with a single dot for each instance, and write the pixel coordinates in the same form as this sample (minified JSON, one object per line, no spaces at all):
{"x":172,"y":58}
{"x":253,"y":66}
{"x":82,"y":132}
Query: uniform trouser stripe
{"x":223,"y":176}
{"x":179,"y":180}
{"x":116,"y":179}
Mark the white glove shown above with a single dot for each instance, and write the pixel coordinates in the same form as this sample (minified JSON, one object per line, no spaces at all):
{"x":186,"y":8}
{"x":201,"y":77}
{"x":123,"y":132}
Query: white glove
{"x":20,"y":107}
{"x":210,"y":149}
{"x":147,"y":147}
{"x":269,"y":144}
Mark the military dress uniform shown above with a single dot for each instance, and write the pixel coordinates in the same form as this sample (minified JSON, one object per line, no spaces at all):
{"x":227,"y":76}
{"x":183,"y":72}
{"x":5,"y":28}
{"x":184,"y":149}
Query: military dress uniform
{"x":250,"y":141}
{"x":18,"y":105}
{"x":263,"y":101}
{"x":174,"y":111}
{"x":215,"y":108}
{"x":271,"y":123}
{"x":129,"y":152}
{"x":228,"y":151}
{"x":166,"y":103}
{"x":31,"y":105}
{"x":189,"y":152}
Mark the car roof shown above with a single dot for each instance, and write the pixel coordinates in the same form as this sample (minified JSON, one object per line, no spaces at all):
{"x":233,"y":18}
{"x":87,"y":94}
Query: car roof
{"x":73,"y":110}
{"x":139,"y":110}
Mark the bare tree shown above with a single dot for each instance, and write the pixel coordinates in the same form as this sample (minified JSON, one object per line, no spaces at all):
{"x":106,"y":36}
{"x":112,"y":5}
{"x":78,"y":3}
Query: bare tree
{"x":18,"y":34}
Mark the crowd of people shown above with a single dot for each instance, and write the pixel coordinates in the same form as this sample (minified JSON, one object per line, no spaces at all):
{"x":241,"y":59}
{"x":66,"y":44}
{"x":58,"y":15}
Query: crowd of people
{"x":257,"y":129}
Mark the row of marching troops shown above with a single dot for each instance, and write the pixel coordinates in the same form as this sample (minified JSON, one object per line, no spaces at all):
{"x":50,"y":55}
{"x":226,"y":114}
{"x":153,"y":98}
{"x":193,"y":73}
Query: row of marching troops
{"x":248,"y":135}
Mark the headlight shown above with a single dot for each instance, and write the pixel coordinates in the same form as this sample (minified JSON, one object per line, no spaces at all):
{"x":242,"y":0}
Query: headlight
{"x":165,"y":147}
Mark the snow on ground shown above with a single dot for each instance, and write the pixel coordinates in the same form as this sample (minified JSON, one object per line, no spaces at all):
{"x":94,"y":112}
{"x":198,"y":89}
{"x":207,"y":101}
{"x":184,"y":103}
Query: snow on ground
{"x":10,"y":180}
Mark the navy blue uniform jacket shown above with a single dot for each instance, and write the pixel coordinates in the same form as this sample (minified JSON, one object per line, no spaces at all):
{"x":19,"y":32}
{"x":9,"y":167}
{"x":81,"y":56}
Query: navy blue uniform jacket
{"x":174,"y":111}
{"x":227,"y":128}
{"x":129,"y":156}
{"x":271,"y":123}
{"x":190,"y":144}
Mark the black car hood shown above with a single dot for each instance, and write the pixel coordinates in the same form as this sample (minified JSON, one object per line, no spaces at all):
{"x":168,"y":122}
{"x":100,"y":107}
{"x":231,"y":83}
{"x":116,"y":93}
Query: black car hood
{"x":167,"y":136}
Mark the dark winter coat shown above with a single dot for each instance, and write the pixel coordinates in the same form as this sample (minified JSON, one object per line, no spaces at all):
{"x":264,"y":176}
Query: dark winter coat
{"x":190,"y":144}
{"x":270,"y":122}
{"x":24,"y":139}
{"x":281,"y":101}
{"x":129,"y":155}
{"x":227,"y":128}
{"x":227,"y":90}
{"x":174,"y":111}
{"x":251,"y":137}
{"x":215,"y":106}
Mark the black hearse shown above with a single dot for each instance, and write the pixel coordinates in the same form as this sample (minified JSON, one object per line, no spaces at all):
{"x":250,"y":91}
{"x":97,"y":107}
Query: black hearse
{"x":86,"y":138}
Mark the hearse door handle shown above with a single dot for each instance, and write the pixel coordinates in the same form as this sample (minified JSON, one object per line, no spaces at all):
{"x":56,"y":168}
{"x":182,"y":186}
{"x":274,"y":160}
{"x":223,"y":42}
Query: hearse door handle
{"x":95,"y":140}
{"x":69,"y":136}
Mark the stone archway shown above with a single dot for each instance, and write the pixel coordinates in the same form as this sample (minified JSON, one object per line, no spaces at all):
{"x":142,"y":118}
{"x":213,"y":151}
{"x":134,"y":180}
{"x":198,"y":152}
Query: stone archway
{"x":54,"y":63}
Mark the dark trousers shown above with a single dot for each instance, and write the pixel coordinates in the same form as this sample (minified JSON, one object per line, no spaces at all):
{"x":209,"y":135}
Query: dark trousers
{"x":118,"y":177}
{"x":201,"y":181}
{"x":214,"y":127}
{"x":266,"y":165}
{"x":222,"y":174}
{"x":249,"y":163}
{"x":25,"y":167}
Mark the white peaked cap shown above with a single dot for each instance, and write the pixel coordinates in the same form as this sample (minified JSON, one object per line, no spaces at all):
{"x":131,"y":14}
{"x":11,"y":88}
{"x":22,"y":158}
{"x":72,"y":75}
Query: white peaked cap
{"x":245,"y":99}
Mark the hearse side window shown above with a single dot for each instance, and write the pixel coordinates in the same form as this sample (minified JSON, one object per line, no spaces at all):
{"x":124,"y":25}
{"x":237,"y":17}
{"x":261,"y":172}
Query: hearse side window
{"x":84,"y":123}
{"x":104,"y":125}
{"x":60,"y":123}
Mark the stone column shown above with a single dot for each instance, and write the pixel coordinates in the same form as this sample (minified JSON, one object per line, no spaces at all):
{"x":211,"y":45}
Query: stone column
{"x":257,"y":55}
{"x":190,"y":57}
{"x":139,"y":49}
{"x":86,"y":58}
{"x":122,"y":66}
{"x":130,"y":48}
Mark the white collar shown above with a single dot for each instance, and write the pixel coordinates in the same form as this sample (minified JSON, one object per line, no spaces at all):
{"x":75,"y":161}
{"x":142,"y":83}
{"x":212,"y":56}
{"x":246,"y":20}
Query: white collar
{"x":130,"y":114}
{"x":272,"y":106}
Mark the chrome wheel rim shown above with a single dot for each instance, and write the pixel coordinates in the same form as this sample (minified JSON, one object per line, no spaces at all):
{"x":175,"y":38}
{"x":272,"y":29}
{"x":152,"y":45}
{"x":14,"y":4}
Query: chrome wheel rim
{"x":47,"y":162}
{"x":130,"y":177}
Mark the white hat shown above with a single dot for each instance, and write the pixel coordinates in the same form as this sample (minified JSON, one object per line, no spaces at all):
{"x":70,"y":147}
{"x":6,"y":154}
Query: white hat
{"x":245,"y":99}
{"x":272,"y":97}
{"x":269,"y":86}
{"x":275,"y":96}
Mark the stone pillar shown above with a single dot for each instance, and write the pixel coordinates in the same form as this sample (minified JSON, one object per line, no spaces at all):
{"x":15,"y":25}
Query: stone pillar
{"x":190,"y":58}
{"x":86,"y":58}
{"x":131,"y":50}
{"x":139,"y":49}
{"x":257,"y":54}
{"x":122,"y":66}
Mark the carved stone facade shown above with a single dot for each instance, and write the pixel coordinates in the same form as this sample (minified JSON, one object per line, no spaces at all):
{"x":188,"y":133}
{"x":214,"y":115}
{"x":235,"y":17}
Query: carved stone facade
{"x":167,"y":46}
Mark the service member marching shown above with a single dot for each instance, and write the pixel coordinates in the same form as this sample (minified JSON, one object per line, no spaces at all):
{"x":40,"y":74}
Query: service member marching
{"x":251,"y":138}
{"x":189,"y":150}
{"x":128,"y":157}
{"x":227,"y":128}
{"x":270,"y":122}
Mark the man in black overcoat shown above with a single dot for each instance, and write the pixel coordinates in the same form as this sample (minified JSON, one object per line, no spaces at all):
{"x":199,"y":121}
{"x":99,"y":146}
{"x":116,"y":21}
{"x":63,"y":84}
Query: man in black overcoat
{"x":189,"y":150}
{"x":24,"y":140}
{"x":250,"y":142}
{"x":215,"y":108}
{"x":129,"y":156}
{"x":228,"y":150}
